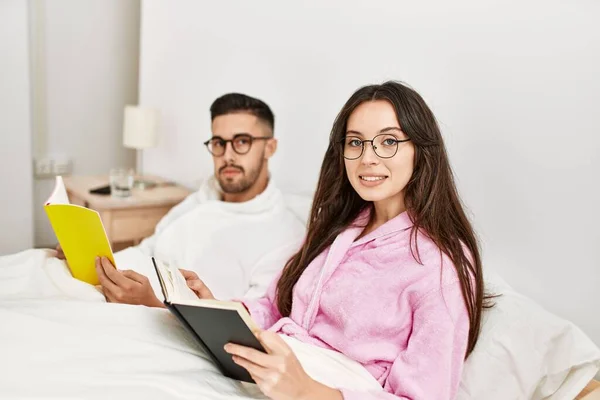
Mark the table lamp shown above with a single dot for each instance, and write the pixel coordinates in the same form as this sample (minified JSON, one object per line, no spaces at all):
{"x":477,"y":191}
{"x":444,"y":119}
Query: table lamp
{"x":140,"y":131}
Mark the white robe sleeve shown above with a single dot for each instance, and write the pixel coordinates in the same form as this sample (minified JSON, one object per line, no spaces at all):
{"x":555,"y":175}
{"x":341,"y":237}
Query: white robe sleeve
{"x":147,"y":245}
{"x":267,"y":267}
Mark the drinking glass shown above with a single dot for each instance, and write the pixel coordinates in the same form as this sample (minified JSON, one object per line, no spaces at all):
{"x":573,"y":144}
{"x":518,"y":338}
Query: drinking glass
{"x":121,"y":182}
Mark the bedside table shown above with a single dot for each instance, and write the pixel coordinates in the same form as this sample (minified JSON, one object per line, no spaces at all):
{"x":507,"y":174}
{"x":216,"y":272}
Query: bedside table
{"x":590,"y":392}
{"x":595,"y":395}
{"x":126,"y":220}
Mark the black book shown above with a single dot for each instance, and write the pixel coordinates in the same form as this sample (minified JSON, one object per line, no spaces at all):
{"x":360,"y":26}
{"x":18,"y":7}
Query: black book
{"x":213,"y":323}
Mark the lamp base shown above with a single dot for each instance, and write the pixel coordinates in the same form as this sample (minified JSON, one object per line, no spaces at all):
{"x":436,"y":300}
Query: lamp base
{"x":144,"y":184}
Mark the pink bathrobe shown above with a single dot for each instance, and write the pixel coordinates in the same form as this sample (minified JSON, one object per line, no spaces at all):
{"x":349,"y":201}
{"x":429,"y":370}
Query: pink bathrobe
{"x":405,"y":322}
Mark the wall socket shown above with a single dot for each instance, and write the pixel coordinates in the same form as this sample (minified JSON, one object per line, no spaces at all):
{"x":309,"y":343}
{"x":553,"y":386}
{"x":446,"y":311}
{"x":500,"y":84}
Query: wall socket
{"x":49,"y":167}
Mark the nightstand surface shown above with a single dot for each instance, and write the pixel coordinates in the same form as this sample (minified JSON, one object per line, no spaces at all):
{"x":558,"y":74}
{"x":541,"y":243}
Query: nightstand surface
{"x":129,"y":219}
{"x":165,"y":193}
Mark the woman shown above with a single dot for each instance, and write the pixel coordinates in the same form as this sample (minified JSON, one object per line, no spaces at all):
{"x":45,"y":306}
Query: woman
{"x":390,"y":272}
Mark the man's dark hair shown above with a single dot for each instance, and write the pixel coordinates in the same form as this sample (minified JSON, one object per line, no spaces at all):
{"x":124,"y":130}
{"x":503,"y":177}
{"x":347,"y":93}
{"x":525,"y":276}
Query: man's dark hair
{"x":231,"y":103}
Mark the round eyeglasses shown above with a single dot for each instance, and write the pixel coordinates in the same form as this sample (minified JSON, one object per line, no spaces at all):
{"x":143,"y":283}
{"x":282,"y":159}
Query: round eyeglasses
{"x":384,"y":146}
{"x":241,"y":144}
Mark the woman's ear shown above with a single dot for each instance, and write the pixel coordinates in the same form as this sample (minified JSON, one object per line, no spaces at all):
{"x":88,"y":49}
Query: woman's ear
{"x":270,"y":148}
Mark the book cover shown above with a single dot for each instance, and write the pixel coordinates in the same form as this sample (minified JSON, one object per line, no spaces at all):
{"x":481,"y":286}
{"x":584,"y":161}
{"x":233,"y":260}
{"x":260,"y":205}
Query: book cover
{"x":213,"y":323}
{"x":79,"y":232}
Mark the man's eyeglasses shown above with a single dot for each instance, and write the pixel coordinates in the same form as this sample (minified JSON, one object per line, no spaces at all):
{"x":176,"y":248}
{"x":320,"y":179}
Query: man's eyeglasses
{"x":384,"y":146}
{"x":241,"y":144}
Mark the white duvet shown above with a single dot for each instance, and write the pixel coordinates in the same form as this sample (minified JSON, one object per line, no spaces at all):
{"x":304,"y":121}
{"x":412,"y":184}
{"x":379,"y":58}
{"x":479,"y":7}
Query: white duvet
{"x":60,"y":339}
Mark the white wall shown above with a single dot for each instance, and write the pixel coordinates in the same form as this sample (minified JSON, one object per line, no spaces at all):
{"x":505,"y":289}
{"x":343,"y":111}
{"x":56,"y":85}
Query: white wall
{"x":16,"y":221}
{"x":90,"y":67}
{"x":514,"y":84}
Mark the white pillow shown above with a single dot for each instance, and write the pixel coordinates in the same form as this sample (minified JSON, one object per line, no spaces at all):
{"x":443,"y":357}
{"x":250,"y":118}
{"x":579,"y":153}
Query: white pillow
{"x":526,"y":352}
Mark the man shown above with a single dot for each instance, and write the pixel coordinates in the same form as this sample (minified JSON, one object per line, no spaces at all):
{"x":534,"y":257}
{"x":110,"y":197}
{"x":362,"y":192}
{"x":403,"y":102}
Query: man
{"x":235,"y":232}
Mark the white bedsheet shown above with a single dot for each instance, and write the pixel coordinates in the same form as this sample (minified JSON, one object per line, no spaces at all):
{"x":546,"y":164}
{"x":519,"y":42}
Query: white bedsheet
{"x":60,"y":339}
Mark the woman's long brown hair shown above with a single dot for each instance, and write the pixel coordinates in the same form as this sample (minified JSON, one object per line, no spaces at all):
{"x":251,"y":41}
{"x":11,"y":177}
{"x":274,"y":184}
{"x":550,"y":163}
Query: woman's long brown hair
{"x":431,"y":200}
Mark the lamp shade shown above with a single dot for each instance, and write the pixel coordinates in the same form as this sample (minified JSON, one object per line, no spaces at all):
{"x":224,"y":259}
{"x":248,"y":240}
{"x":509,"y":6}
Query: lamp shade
{"x":140,"y":127}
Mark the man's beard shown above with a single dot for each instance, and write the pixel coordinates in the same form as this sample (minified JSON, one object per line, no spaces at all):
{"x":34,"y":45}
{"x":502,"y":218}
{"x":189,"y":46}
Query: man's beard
{"x":245,"y":182}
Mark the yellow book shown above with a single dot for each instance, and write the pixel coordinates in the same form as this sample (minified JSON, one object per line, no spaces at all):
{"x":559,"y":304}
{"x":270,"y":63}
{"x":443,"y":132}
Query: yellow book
{"x":80,"y":233}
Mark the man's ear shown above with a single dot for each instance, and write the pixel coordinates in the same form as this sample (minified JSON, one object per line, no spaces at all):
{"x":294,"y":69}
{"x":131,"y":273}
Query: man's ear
{"x":270,"y":148}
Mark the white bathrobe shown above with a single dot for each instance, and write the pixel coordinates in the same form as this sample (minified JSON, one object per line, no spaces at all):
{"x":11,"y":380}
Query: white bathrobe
{"x":235,"y":248}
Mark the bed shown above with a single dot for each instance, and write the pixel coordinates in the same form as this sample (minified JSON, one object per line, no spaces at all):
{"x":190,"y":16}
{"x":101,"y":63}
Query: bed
{"x":60,"y":339}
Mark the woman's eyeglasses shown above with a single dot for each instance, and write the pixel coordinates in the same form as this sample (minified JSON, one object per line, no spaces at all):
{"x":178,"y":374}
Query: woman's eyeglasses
{"x":241,"y":144}
{"x":384,"y":146}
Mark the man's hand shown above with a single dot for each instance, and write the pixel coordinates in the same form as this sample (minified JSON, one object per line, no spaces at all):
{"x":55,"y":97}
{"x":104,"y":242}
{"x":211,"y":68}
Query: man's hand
{"x":126,"y":287}
{"x":196,"y":284}
{"x":59,"y":253}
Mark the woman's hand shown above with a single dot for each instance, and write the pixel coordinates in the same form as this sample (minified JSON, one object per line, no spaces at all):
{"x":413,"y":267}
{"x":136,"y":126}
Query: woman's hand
{"x":196,"y":284}
{"x":279,"y":374}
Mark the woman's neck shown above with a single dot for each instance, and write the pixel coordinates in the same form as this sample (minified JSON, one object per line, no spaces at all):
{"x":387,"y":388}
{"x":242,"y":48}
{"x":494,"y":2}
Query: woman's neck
{"x":388,"y":209}
{"x":383,"y":211}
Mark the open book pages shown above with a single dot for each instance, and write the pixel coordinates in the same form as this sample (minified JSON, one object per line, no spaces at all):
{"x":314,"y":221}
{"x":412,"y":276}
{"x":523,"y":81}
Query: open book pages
{"x":59,"y":194}
{"x":176,"y":291}
{"x":174,"y":285}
